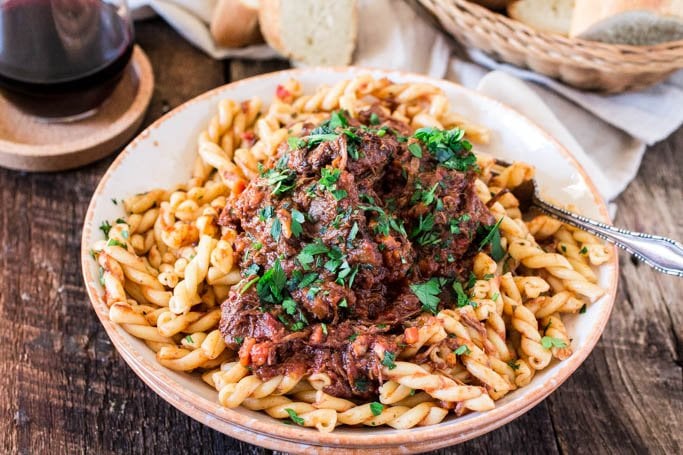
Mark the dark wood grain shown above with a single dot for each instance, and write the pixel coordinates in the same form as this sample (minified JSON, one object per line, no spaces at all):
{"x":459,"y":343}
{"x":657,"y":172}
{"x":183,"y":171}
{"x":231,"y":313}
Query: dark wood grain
{"x":64,"y":389}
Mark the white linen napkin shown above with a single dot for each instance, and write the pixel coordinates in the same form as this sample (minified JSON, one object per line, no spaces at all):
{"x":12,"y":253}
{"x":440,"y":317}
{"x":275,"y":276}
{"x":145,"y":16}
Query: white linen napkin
{"x":607,"y":134}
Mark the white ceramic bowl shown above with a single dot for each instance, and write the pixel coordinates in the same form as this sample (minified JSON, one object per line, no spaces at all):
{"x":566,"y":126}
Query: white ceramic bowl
{"x":162,"y":156}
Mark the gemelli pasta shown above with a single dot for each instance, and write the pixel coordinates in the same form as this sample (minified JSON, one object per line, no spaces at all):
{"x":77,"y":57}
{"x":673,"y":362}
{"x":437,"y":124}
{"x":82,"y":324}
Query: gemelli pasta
{"x":345,"y":258}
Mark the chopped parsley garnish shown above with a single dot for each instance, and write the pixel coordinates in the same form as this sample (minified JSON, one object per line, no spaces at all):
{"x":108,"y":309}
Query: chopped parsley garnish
{"x":583,"y":309}
{"x":493,"y":237}
{"x":114,"y":242}
{"x":105,"y":227}
{"x":449,"y":148}
{"x":249,"y":284}
{"x":513,"y":364}
{"x":339,"y":194}
{"x":189,"y":339}
{"x":376,"y":408}
{"x":374,"y":119}
{"x":456,"y":222}
{"x":495,"y":297}
{"x":238,"y":340}
{"x":426,"y":197}
{"x":422,"y":233}
{"x":462,"y":350}
{"x":324,"y":327}
{"x":289,"y":305}
{"x":295,"y":142}
{"x":294,"y":416}
{"x":352,"y":234}
{"x":307,"y":254}
{"x":253,"y":269}
{"x":353,"y":337}
{"x":428,"y":293}
{"x":415,"y":149}
{"x":552,"y":342}
{"x":343,"y":304}
{"x":389,"y":360}
{"x":276,"y":229}
{"x":328,"y":180}
{"x":297,"y":220}
{"x":265,"y":213}
{"x":583,"y":250}
{"x":271,"y":285}
{"x":328,"y":177}
{"x":280,"y":178}
{"x":463,"y":298}
{"x":385,"y":222}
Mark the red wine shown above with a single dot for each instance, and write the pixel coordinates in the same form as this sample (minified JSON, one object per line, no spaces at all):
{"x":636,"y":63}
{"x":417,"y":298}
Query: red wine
{"x":60,"y":58}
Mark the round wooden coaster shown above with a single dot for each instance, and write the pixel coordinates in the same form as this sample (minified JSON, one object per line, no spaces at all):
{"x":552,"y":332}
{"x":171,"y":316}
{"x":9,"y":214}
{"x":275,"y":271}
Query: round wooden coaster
{"x":31,"y":144}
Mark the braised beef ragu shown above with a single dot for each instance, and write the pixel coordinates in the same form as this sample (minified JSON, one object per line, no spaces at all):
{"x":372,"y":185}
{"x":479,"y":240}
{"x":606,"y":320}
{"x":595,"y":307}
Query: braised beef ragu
{"x":352,"y":232}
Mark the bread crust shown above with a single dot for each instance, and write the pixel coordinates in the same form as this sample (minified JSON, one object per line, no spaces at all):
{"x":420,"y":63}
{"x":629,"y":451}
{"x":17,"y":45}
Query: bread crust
{"x":588,"y":13}
{"x":270,"y":24}
{"x":235,"y":24}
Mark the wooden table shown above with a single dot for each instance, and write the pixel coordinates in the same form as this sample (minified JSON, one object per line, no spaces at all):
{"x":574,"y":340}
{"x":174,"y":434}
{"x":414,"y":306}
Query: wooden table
{"x":64,"y":389}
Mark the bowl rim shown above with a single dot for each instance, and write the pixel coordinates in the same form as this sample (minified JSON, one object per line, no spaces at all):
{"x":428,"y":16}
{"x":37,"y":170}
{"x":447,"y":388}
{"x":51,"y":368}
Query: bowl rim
{"x":274,"y":434}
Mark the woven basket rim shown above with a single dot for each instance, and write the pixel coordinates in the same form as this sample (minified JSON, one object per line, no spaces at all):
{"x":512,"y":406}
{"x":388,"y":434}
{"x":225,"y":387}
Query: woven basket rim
{"x":595,"y":48}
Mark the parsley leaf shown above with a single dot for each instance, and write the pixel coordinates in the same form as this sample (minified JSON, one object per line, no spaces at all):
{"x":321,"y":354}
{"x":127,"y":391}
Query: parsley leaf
{"x":493,"y":237}
{"x":294,"y":416}
{"x":428,"y":294}
{"x":265,"y":213}
{"x":415,"y":150}
{"x":449,"y":148}
{"x":463,"y":298}
{"x":253,"y":269}
{"x":306,"y":256}
{"x":297,"y":220}
{"x":271,"y":285}
{"x":389,"y":360}
{"x":276,"y":229}
{"x":352,"y":234}
{"x":105,"y":227}
{"x":423,"y":234}
{"x":295,"y":142}
{"x":280,"y":178}
{"x":513,"y":364}
{"x":456,"y":222}
{"x":583,"y":309}
{"x":289,"y":305}
{"x":249,"y":284}
{"x":552,"y":342}
{"x":114,"y":242}
{"x":462,"y":350}
{"x":376,"y":408}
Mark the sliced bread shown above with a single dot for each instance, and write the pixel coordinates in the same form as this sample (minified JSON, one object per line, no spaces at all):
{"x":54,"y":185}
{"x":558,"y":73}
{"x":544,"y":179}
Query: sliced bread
{"x":552,"y":16}
{"x":311,"y":32}
{"x":636,"y":22}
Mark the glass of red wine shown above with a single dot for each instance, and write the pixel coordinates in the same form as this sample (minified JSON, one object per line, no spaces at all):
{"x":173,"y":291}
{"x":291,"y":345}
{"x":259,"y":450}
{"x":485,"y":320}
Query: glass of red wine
{"x":61,"y":59}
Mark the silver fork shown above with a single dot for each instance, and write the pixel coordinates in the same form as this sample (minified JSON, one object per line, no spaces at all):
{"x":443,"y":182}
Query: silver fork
{"x":661,"y":253}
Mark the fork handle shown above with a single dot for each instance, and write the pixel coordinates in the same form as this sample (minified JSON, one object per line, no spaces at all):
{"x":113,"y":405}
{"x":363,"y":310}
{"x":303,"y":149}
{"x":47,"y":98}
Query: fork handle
{"x":663,"y":254}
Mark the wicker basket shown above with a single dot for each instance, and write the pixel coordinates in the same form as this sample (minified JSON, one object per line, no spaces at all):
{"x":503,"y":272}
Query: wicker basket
{"x":584,"y":64}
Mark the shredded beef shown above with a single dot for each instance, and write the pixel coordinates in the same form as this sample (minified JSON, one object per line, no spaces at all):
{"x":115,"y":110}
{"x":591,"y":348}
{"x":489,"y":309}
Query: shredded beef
{"x":382,"y":221}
